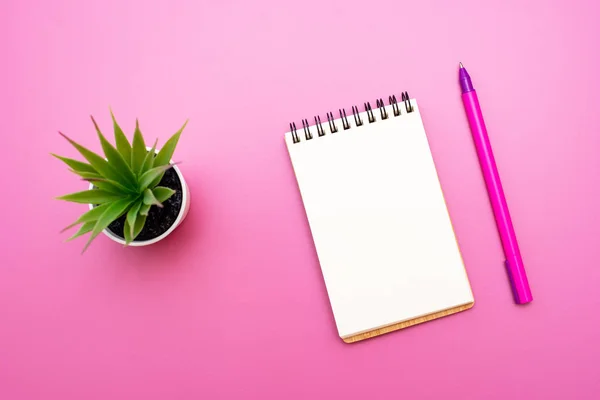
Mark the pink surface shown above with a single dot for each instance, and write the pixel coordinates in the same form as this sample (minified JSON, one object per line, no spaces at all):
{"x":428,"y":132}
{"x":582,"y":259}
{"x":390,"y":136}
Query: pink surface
{"x":233,"y":304}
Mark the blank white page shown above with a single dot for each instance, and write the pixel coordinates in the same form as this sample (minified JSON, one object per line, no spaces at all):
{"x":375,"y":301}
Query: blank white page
{"x":379,"y":221}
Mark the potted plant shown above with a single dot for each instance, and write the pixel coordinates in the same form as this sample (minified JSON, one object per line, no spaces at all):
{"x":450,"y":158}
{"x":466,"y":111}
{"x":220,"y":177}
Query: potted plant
{"x":137,"y":196}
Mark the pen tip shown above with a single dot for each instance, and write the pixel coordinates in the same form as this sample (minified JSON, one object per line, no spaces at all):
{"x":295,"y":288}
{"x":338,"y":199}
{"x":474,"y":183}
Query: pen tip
{"x":460,"y":65}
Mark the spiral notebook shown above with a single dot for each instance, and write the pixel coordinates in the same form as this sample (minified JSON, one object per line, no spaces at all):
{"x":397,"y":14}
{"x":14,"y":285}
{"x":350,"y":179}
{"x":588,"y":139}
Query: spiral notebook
{"x":378,"y":218}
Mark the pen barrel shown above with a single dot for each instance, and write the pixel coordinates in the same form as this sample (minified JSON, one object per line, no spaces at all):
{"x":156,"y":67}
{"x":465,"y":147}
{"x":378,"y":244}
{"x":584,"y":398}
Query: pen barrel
{"x":514,"y":263}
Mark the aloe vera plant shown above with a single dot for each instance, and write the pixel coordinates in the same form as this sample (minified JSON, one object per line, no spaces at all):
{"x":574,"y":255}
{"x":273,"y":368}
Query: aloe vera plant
{"x":125,"y":181}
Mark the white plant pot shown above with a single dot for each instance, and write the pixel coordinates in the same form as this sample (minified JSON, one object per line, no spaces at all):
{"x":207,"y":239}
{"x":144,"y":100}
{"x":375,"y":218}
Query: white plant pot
{"x":185,"y":206}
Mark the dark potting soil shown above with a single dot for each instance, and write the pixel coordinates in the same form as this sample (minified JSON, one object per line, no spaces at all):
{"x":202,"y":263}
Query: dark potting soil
{"x":159,"y":220}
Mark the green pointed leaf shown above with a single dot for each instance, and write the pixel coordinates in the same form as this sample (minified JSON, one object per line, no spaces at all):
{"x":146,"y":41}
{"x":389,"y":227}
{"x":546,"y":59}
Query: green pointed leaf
{"x":115,"y":158}
{"x":121,"y":140}
{"x":162,"y":193}
{"x":164,"y":155}
{"x":144,"y":209}
{"x":110,"y":186}
{"x":93,"y":196}
{"x":138,"y":151}
{"x":114,"y":211}
{"x":87,"y":175}
{"x":76,"y":166}
{"x":139,"y":225}
{"x":149,"y":159}
{"x":100,"y":164}
{"x":149,"y":176}
{"x":90,"y":216}
{"x":85,"y":228}
{"x":127,"y":232}
{"x":132,"y":215}
{"x":149,"y":198}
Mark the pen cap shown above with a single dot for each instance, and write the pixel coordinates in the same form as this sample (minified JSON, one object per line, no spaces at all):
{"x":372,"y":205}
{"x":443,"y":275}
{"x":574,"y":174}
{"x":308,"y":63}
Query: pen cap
{"x":518,"y":280}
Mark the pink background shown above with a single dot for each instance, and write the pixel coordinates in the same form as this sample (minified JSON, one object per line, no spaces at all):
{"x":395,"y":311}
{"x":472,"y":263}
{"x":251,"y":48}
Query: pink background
{"x":233,"y":304}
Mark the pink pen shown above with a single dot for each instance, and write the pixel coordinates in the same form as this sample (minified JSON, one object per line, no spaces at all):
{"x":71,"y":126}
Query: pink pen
{"x":514,"y":262}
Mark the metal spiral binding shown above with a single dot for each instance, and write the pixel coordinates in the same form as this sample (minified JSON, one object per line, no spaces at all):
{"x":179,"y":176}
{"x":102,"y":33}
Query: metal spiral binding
{"x":393,"y":102}
{"x":332,"y":126}
{"x":407,"y":103}
{"x":344,"y":119}
{"x":369,"y":111}
{"x":357,"y":118}
{"x":320,"y":130}
{"x":307,"y":134}
{"x":382,"y":110}
{"x":294,"y":132}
